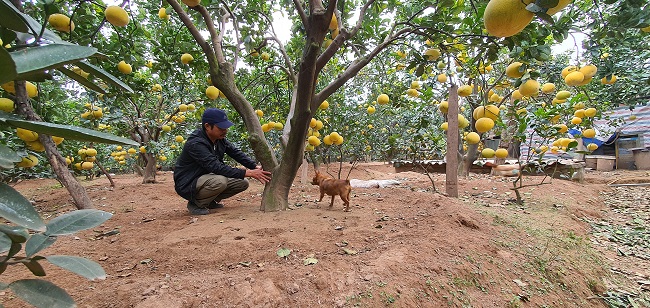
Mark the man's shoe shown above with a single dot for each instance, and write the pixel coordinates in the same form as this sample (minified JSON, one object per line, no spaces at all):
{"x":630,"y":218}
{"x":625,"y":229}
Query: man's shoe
{"x":195,"y":210}
{"x":214,"y":205}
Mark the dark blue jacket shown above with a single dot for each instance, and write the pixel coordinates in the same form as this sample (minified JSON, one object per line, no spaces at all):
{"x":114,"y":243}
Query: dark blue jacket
{"x":200,"y":156}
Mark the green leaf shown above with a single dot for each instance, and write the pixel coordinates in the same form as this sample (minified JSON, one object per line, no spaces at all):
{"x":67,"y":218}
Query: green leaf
{"x":78,"y":220}
{"x":17,"y":234}
{"x":102,"y":74}
{"x":81,"y":266}
{"x":8,"y":157}
{"x":65,"y":131}
{"x":11,"y":17}
{"x":41,"y":293}
{"x":41,"y":58}
{"x":5,"y":243}
{"x":283,"y":252}
{"x":15,"y":208}
{"x":38,"y":242}
{"x":81,"y":79}
{"x":310,"y":261}
{"x":35,"y":268}
{"x":7,"y":66}
{"x":3,"y":285}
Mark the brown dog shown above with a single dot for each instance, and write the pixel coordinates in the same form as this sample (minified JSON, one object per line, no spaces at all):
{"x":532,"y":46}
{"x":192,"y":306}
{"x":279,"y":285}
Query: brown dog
{"x":333,"y":187}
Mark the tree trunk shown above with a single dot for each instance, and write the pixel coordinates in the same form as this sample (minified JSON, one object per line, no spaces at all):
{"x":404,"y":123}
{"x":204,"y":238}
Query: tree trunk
{"x":451,"y":171}
{"x":149,"y":169}
{"x":468,"y":160}
{"x":56,"y":160}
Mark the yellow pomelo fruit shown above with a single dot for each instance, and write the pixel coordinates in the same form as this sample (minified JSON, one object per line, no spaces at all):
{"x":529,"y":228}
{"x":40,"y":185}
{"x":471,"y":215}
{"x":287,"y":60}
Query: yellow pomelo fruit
{"x":462,"y":122}
{"x":590,"y":112}
{"x":512,"y":70}
{"x":57,"y":140}
{"x":266,"y":128}
{"x":612,"y":79}
{"x":569,"y":69}
{"x":28,"y":162}
{"x":574,"y":79}
{"x":212,"y":92}
{"x":26,"y":135}
{"x":530,"y":88}
{"x":432,"y":54}
{"x":444,"y":106}
{"x":441,"y":65}
{"x":278,"y":126}
{"x":143,"y":149}
{"x":319,"y":125}
{"x":133,"y":151}
{"x":32,"y":90}
{"x":589,"y":70}
{"x":312,"y":123}
{"x":383,"y":99}
{"x":61,"y":22}
{"x":327,"y":140}
{"x":580,"y":113}
{"x":415,"y":84}
{"x":592,"y":147}
{"x":162,"y":13}
{"x":118,"y":148}
{"x":483,"y":125}
{"x":494,"y":98}
{"x":191,"y":107}
{"x":589,"y":133}
{"x":334,"y":24}
{"x":182,"y":107}
{"x":91,"y":152}
{"x":586,"y":81}
{"x":501,"y":153}
{"x":124,"y":68}
{"x":562,"y":95}
{"x":186,"y":58}
{"x":179,"y":138}
{"x":324,"y":105}
{"x":517,"y":95}
{"x":548,"y":88}
{"x":472,"y":138}
{"x":444,"y":126}
{"x":35,"y":146}
{"x":578,"y":105}
{"x":464,"y":90}
{"x":259,"y":113}
{"x":6,"y":105}
{"x":576,"y":120}
{"x":87,"y":165}
{"x":504,"y":18}
{"x":442,"y":78}
{"x":266,"y":56}
{"x":487,"y":153}
{"x":117,"y":16}
{"x":562,"y":128}
{"x":489,"y":111}
{"x":313,"y":140}
{"x":412,"y":93}
{"x":97,"y":113}
{"x":371,"y":110}
{"x":191,"y":3}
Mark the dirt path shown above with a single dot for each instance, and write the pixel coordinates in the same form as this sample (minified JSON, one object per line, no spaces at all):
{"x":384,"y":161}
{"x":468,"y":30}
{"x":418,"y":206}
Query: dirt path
{"x":401,"y":246}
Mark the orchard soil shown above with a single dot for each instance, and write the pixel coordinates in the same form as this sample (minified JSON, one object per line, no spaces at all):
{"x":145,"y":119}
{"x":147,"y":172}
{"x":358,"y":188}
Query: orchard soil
{"x":402,"y":246}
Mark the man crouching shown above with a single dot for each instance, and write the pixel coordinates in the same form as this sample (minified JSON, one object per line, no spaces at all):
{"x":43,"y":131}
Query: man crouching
{"x":201,"y":176}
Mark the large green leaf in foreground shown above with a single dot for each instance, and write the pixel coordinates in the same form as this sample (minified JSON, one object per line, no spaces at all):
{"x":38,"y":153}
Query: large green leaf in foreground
{"x":65,"y":131}
{"x":15,"y":208}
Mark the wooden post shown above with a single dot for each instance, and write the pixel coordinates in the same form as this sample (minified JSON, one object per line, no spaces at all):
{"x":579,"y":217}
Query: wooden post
{"x":451,"y":171}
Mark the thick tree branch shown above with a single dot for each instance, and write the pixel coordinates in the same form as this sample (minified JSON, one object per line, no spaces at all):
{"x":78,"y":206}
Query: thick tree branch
{"x":216,"y":37}
{"x":195,"y":32}
{"x":353,"y":69}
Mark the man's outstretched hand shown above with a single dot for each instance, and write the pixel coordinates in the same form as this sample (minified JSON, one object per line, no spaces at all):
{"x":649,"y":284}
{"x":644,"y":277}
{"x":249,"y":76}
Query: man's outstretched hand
{"x":259,"y":174}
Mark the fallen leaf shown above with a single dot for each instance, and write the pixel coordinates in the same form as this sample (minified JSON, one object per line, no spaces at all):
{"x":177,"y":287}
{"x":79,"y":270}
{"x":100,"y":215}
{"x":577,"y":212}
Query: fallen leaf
{"x":283,"y":252}
{"x":310,"y":261}
{"x":349,"y":251}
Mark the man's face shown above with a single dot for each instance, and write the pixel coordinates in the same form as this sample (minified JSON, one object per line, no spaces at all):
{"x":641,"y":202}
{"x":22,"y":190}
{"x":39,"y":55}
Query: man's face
{"x":214,"y":132}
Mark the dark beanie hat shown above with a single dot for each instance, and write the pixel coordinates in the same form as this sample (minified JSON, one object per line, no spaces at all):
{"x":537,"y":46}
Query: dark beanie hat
{"x":216,"y":116}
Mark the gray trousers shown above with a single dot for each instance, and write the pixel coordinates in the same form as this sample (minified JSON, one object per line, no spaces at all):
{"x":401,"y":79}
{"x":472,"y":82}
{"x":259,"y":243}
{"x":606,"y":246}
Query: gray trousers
{"x":213,"y":187}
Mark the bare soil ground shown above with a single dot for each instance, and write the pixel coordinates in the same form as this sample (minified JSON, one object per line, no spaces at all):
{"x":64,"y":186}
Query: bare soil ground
{"x":400,"y":246}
